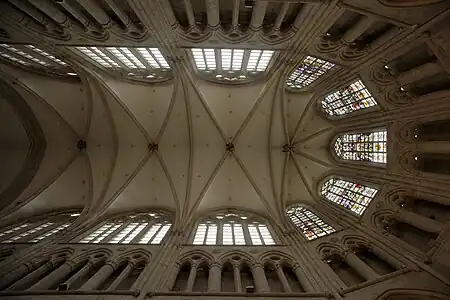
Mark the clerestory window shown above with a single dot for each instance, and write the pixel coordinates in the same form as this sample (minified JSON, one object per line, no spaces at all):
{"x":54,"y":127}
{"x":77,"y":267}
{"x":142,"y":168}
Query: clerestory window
{"x":353,"y":196}
{"x":308,"y":222}
{"x":310,"y":69}
{"x":231,"y":64}
{"x":232,"y":229}
{"x":37,"y":229}
{"x":347,"y":100}
{"x":142,"y":228}
{"x":363,"y":146}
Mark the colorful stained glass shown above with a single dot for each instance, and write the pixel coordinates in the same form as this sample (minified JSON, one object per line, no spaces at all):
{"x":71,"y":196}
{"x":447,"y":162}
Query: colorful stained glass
{"x":309,"y":223}
{"x":369,"y":146}
{"x":353,"y":196}
{"x":352,"y":98}
{"x":309,"y":71}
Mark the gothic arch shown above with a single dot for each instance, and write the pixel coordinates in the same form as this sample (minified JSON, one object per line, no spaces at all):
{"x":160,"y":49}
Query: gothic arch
{"x":416,"y":293}
{"x":196,"y":257}
{"x":237,"y":256}
{"x":409,"y":3}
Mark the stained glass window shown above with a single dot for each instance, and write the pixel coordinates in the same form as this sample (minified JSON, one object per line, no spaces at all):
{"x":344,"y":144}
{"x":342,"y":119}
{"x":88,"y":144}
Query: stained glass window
{"x":309,"y":71}
{"x":353,"y":196}
{"x":142,"y":228}
{"x":308,"y":222}
{"x":232,"y":229}
{"x":352,"y":98}
{"x":368,"y":146}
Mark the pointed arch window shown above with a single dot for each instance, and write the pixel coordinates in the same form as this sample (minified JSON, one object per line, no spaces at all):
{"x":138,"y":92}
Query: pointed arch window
{"x":232,"y":229}
{"x":353,"y":196}
{"x":349,"y":99}
{"x":231,"y":64}
{"x":307,"y":72}
{"x":142,"y":228}
{"x":308,"y":222}
{"x":37,"y":229}
{"x":366,"y":146}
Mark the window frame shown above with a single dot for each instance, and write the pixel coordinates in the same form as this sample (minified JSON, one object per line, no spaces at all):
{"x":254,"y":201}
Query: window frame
{"x":56,"y":222}
{"x":353,"y":113}
{"x":321,"y":77}
{"x":341,"y":160}
{"x":243,"y":75}
{"x":118,"y":223}
{"x":319,"y":216}
{"x":351,"y":180}
{"x":249,"y":220}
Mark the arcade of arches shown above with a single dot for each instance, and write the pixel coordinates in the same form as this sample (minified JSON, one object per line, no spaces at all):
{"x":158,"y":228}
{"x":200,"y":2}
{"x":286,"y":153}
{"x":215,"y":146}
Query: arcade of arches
{"x":225,"y":149}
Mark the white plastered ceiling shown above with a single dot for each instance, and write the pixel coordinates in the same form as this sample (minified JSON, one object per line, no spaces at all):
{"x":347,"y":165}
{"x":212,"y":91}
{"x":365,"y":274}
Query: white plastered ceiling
{"x":190,"y":121}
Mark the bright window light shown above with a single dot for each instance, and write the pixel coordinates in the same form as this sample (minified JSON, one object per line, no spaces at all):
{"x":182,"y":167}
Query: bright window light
{"x":49,"y":233}
{"x":234,"y":229}
{"x":129,"y":58}
{"x":23,"y":54}
{"x":307,"y":72}
{"x":231,"y":65}
{"x":57,"y":60}
{"x":161,"y":234}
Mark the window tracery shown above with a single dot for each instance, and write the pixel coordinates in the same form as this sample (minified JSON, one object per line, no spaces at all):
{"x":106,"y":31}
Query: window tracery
{"x":232,"y":229}
{"x":145,"y":63}
{"x":310,"y":69}
{"x":142,"y":228}
{"x":34,"y":231}
{"x":231,"y":64}
{"x":365,"y":146}
{"x":34,"y":57}
{"x":308,"y":222}
{"x":349,"y":99}
{"x":353,"y":196}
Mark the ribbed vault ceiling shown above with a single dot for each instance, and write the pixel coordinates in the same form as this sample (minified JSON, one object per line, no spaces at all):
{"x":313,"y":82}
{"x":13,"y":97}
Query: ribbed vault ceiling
{"x":166,"y":145}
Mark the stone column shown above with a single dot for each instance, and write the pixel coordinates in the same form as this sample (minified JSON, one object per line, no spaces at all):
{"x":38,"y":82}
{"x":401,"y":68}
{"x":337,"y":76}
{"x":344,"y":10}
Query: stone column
{"x":95,"y":11}
{"x":359,"y":266}
{"x":83,"y":271}
{"x":259,"y":278}
{"x":357,"y":30}
{"x":419,"y":221}
{"x":215,"y":278}
{"x":95,"y":281}
{"x":54,"y":277}
{"x":386,"y":257}
{"x":212,"y":11}
{"x":303,"y":279}
{"x":123,"y":275}
{"x":420,"y":72}
{"x":16,"y":274}
{"x":191,"y":278}
{"x":237,"y":278}
{"x":433,"y":146}
{"x":283,"y":280}
{"x":33,"y":276}
{"x":259,"y":11}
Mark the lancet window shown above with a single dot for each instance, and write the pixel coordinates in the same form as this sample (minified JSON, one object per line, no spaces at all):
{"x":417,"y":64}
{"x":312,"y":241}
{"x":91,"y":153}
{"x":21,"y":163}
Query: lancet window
{"x":353,"y":196}
{"x":307,"y":72}
{"x":311,"y":225}
{"x":141,"y":228}
{"x":232,"y":229}
{"x":366,"y":146}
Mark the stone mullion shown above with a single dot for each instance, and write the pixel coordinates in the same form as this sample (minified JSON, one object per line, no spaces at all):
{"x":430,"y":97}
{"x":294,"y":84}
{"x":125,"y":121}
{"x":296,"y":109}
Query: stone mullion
{"x":141,"y":234}
{"x":110,"y":236}
{"x":247,"y":237}
{"x":219,"y":238}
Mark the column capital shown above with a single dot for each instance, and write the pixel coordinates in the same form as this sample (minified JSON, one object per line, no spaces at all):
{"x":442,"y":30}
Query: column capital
{"x":257,"y":265}
{"x":346,"y":252}
{"x":216,"y":264}
{"x":295,"y":266}
{"x":111,"y":263}
{"x":237,"y":266}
